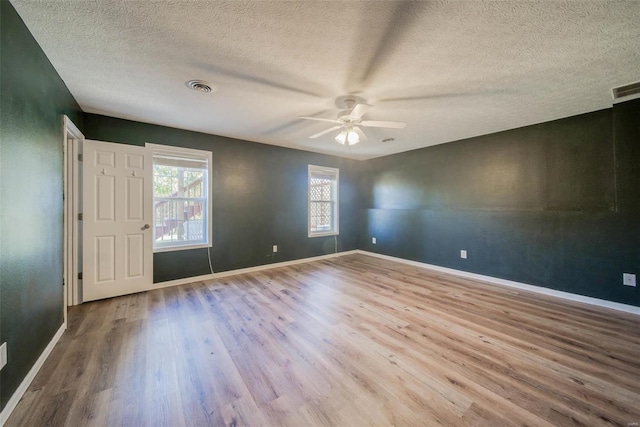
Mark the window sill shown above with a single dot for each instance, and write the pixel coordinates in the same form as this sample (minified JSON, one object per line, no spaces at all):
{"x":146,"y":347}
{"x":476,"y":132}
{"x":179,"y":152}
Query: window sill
{"x":328,"y":233}
{"x":181,"y":248}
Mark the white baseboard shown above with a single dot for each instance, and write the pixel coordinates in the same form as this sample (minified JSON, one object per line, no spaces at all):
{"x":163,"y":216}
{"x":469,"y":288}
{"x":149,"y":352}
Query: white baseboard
{"x":26,"y":382}
{"x":248,"y":270}
{"x":509,"y":283}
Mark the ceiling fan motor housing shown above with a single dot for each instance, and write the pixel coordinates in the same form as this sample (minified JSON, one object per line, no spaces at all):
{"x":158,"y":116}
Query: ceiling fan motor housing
{"x":344,"y":116}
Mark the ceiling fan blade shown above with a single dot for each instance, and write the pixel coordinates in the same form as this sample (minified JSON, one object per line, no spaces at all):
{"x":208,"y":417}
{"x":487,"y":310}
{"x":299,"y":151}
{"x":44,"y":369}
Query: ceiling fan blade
{"x":361,"y":134}
{"x":359,"y":110}
{"x":383,"y":124}
{"x":320,"y":119}
{"x":394,"y":23}
{"x":325,"y":132}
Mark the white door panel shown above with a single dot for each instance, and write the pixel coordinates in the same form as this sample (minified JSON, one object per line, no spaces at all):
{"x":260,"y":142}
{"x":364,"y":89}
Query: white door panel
{"x":117,"y":238}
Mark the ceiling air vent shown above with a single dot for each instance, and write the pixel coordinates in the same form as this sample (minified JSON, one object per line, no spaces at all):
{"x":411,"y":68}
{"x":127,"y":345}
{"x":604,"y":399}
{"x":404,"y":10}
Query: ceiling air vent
{"x":626,"y":90}
{"x":200,"y":86}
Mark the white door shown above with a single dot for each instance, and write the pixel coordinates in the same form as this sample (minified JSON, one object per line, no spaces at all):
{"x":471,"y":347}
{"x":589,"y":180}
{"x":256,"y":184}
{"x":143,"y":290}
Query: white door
{"x":117,"y":235}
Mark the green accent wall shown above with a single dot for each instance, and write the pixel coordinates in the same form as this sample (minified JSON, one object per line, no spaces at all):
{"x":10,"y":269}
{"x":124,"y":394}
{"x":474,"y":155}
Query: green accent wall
{"x":555,"y":204}
{"x":33,"y":99}
{"x":259,"y":199}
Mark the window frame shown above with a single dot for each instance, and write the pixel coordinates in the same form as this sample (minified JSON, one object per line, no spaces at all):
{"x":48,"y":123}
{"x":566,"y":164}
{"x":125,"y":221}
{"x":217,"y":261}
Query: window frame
{"x":188,"y":153}
{"x":335,"y":229}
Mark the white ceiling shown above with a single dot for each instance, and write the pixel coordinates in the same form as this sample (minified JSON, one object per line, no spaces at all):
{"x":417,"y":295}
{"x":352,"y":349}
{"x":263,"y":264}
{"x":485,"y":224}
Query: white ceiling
{"x":451,"y":70}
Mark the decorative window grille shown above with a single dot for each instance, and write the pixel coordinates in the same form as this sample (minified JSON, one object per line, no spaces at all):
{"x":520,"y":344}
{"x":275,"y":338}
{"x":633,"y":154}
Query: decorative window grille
{"x":323,"y":201}
{"x":181,"y":198}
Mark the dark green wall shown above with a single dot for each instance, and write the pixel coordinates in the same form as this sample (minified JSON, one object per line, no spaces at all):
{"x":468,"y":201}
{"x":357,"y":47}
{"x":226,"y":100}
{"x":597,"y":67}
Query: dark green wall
{"x":33,"y":99}
{"x":553,"y":205}
{"x":259,"y":199}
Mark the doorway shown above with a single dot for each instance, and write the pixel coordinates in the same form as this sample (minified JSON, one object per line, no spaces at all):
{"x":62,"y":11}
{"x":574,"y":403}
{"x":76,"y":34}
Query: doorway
{"x":108,"y":246}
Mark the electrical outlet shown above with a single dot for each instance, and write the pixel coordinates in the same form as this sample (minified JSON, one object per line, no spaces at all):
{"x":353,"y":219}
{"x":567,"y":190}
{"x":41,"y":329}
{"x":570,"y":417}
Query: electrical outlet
{"x":628,"y":279}
{"x":275,"y":248}
{"x":3,"y":355}
{"x":373,"y":240}
{"x":463,"y":254}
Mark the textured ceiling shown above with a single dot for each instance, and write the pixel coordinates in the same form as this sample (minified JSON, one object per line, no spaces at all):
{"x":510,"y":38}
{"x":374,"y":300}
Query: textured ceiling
{"x":451,"y":70}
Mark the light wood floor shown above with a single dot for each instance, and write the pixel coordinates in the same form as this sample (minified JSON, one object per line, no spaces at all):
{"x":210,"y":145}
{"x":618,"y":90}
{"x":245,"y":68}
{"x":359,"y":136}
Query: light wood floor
{"x":351,"y":341}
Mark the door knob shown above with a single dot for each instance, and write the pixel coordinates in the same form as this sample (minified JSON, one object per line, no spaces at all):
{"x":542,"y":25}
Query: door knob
{"x":146,"y":227}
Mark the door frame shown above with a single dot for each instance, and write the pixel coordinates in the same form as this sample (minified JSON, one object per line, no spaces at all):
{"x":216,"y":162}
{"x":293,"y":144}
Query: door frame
{"x":70,"y":149}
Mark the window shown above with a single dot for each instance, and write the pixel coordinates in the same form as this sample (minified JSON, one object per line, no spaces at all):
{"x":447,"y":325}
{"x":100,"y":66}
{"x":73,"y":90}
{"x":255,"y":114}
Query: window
{"x":181,"y":198}
{"x":323,"y":201}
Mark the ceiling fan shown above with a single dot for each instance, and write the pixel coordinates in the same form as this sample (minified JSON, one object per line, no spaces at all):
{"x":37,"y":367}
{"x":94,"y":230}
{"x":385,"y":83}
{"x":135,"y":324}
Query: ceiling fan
{"x":350,"y":121}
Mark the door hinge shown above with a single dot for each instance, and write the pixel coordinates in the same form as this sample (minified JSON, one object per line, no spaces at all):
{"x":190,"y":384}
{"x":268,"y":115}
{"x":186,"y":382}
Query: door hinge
{"x":80,"y":217}
{"x":80,"y":157}
{"x":80,"y":276}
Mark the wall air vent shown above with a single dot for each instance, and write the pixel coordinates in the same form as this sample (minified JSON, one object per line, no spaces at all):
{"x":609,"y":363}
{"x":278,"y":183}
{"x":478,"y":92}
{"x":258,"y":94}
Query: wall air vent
{"x":626,"y":90}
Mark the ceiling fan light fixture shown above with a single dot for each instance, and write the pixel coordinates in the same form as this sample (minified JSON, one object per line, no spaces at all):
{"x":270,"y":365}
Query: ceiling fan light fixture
{"x":352,"y":137}
{"x":348,"y":137}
